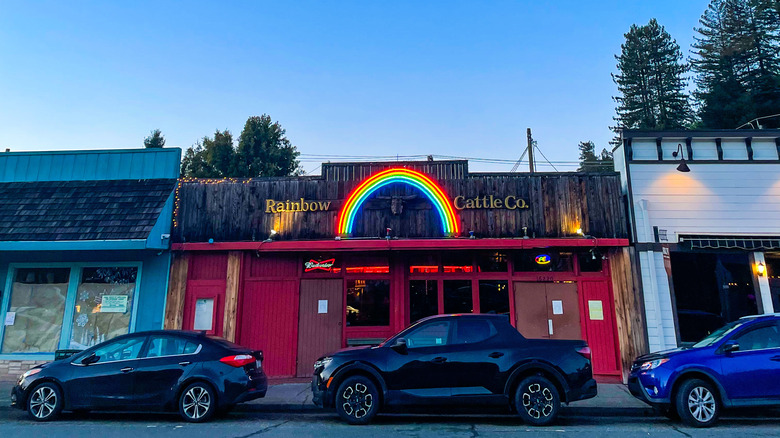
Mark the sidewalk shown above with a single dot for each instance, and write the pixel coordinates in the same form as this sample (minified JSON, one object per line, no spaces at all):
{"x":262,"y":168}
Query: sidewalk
{"x":613,"y":400}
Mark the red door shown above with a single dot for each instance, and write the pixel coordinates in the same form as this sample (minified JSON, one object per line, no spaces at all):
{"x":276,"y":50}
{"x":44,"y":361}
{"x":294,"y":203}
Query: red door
{"x":599,"y":314}
{"x":269,"y":322}
{"x":204,"y":300}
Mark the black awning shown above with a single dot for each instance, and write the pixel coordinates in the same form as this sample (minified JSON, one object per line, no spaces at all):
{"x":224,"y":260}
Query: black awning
{"x":731,"y":242}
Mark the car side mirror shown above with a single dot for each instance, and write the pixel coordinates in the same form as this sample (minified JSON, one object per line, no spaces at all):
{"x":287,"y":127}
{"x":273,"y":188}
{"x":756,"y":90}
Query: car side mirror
{"x":400,"y":346}
{"x":730,"y":347}
{"x":92,"y":358}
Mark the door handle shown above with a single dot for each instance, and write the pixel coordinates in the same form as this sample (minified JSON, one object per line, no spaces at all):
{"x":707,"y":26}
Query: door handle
{"x":496,"y":354}
{"x":185,"y":363}
{"x":439,"y":360}
{"x":775,"y":358}
{"x":126,"y":369}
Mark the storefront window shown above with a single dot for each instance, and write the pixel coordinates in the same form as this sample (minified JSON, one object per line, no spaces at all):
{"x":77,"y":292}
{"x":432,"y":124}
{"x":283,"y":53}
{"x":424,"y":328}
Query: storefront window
{"x":34,"y":317}
{"x":423,"y":299}
{"x":457,"y":262}
{"x":590,"y":261}
{"x":457,"y":296}
{"x":367,"y":264}
{"x":543,"y":261}
{"x":711,"y":290}
{"x":368,"y":303}
{"x":423,"y":264}
{"x":492,"y":262}
{"x":494,"y":296}
{"x":104,"y":304}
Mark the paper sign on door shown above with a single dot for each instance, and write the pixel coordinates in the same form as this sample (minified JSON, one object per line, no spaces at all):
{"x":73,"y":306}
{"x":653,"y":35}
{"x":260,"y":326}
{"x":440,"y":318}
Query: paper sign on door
{"x":557,"y":307}
{"x":595,"y":310}
{"x":322,"y":306}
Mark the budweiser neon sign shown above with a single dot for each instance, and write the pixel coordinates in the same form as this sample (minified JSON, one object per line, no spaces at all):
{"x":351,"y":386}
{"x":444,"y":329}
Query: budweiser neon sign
{"x":319,"y":265}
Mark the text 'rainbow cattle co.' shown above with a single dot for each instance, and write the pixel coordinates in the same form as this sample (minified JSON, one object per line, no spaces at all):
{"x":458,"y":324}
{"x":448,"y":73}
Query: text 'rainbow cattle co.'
{"x":273,"y":206}
{"x":510,"y":202}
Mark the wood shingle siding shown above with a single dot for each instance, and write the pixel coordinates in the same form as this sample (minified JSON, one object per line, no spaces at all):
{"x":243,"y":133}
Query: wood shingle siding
{"x":81,"y":210}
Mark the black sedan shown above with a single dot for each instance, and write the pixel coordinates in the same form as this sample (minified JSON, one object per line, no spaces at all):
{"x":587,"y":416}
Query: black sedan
{"x":164,"y":370}
{"x":456,"y":359}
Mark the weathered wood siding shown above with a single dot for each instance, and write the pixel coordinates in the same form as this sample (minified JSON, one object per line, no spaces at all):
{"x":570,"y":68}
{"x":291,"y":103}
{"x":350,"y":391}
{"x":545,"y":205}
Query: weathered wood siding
{"x":235,"y":210}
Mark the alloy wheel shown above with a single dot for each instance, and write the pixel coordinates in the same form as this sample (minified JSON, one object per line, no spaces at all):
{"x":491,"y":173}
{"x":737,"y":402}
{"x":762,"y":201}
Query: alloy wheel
{"x":701,"y":404}
{"x":196,"y":402}
{"x":538,"y":400}
{"x":356,"y":400}
{"x":43,"y":402}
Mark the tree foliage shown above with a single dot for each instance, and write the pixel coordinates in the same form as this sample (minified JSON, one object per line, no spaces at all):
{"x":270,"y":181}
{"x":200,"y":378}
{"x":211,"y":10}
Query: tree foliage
{"x":737,"y":61}
{"x":263,"y":150}
{"x":651,"y":81}
{"x":154,"y":140}
{"x":590,"y":162}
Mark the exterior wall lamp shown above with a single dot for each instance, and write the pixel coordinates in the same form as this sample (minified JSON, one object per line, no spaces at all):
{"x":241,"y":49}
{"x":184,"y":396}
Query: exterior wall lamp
{"x":682,"y":167}
{"x":760,"y":269}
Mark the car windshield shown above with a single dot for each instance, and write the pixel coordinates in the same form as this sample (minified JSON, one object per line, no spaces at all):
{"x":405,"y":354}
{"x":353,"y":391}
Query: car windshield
{"x":718,"y":334}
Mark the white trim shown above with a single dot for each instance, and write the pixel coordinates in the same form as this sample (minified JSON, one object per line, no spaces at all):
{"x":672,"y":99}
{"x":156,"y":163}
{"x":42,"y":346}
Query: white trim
{"x":763,"y":284}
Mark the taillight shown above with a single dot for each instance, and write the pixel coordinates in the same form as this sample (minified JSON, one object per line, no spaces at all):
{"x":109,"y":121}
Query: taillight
{"x":584,"y":352}
{"x":238,"y":360}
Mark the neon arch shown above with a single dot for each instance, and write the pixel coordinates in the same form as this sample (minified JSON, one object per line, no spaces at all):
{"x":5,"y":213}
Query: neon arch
{"x":432,"y":190}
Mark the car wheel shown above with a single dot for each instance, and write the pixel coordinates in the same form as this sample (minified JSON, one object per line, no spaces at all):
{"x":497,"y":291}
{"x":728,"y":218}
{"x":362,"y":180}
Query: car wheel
{"x":197,"y":402}
{"x":45,"y":402}
{"x":357,"y":400}
{"x":537,"y":401}
{"x":697,"y":403}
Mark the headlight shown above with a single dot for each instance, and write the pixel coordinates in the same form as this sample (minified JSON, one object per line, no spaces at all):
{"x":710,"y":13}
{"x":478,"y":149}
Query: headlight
{"x":323,"y":362}
{"x":31,"y":372}
{"x":653,"y":364}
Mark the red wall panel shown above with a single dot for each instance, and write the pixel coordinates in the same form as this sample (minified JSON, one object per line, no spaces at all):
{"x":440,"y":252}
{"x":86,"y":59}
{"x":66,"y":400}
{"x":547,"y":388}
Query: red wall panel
{"x":269,"y":322}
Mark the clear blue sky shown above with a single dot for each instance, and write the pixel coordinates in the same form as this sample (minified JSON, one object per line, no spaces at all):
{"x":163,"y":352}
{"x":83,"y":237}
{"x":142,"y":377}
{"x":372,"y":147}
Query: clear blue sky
{"x":344,"y":78}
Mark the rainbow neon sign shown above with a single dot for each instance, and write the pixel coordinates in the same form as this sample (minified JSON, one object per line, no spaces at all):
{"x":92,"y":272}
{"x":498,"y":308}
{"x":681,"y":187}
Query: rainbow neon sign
{"x":442,"y":204}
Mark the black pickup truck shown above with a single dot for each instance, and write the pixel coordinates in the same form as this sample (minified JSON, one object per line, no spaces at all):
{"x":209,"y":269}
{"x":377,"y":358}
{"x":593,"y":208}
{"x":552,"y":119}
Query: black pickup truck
{"x":456,"y":359}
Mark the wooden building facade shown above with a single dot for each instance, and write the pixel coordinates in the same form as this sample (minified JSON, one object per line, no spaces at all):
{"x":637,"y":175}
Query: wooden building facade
{"x":302,"y":266}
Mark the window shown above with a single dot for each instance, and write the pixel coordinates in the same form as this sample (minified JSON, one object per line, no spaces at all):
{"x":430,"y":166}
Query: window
{"x":435,"y":334}
{"x":590,"y":261}
{"x":759,"y":338}
{"x":36,"y":310}
{"x":423,"y":299}
{"x":125,"y":349}
{"x":492,"y":262}
{"x":457,"y":296}
{"x":494,"y":296}
{"x":543,"y":261}
{"x":472,"y":330}
{"x":710,"y":290}
{"x":425,"y":263}
{"x":368,"y":302}
{"x":104,"y":304}
{"x":161,"y":345}
{"x":457,"y":262}
{"x":367,"y":264}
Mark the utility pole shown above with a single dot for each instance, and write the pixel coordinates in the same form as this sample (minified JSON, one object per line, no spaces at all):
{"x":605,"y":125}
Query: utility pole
{"x":530,"y":150}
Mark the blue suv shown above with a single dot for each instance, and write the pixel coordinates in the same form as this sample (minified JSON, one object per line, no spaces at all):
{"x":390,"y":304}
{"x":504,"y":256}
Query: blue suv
{"x":735,"y":366}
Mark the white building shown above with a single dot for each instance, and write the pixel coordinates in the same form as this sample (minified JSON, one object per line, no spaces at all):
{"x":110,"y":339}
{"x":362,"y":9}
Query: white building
{"x":719,"y":221}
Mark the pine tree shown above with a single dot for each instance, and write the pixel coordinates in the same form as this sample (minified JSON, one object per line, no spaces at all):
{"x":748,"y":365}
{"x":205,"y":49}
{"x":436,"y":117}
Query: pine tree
{"x":737,"y":61}
{"x":155,"y":140}
{"x":590,"y":162}
{"x":651,"y":81}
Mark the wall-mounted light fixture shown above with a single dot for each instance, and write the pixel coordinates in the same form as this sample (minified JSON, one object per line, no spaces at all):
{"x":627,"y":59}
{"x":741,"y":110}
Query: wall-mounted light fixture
{"x":760,"y":269}
{"x":682,"y":167}
{"x":270,"y":237}
{"x":579,"y":231}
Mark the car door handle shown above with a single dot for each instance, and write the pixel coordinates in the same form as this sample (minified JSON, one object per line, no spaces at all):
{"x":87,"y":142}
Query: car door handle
{"x":126,"y":369}
{"x":775,"y":358}
{"x":185,"y":363}
{"x":496,"y":354}
{"x":439,"y":360}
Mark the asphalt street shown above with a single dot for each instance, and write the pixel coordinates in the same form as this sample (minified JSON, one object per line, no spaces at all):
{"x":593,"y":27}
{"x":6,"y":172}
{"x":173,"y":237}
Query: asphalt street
{"x":246,"y":424}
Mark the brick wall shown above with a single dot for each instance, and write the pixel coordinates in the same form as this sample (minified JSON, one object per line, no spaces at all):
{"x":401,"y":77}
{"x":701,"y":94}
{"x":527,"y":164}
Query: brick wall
{"x":10,"y":370}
